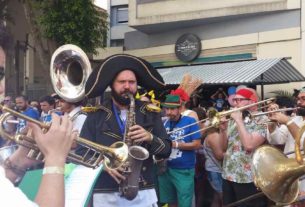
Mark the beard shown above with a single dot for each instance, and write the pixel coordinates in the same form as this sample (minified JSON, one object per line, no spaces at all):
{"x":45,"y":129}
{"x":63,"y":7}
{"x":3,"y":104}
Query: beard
{"x":121,"y":98}
{"x":301,"y":111}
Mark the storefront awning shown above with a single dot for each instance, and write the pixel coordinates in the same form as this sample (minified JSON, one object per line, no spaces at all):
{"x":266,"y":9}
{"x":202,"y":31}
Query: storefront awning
{"x":253,"y":72}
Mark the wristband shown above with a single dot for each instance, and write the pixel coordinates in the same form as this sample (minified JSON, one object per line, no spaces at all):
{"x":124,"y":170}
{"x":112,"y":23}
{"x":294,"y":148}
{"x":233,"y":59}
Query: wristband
{"x":289,"y":122}
{"x":53,"y":170}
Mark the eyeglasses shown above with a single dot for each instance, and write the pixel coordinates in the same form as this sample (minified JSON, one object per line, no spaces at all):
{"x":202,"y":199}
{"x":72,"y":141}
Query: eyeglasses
{"x":240,"y":99}
{"x":1,"y":73}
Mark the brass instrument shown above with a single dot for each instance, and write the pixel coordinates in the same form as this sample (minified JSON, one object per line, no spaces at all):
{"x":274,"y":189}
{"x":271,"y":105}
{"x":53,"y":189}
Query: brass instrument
{"x":215,"y":117}
{"x":276,"y":175}
{"x":132,"y":167}
{"x":69,"y":71}
{"x":273,"y":111}
{"x":115,"y":155}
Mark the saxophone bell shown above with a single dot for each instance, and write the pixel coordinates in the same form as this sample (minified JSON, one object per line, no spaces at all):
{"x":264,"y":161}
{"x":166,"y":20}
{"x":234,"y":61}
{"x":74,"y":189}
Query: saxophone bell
{"x":137,"y":155}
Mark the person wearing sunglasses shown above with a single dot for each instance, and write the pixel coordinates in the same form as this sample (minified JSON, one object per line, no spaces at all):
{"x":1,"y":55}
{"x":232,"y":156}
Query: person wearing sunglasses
{"x":242,"y":139}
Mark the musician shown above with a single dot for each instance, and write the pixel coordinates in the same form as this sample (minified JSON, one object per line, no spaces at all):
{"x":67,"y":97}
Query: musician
{"x":287,"y":130}
{"x":54,"y":148}
{"x":176,"y":184}
{"x":242,"y":139}
{"x":123,"y":73}
{"x":74,"y":111}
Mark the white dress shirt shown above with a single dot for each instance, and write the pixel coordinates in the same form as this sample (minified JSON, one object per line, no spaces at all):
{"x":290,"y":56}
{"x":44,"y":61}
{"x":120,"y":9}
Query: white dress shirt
{"x":78,"y":118}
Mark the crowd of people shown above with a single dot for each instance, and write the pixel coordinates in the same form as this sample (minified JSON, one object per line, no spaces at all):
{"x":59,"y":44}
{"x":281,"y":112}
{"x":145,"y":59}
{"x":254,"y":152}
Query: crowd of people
{"x":185,"y":149}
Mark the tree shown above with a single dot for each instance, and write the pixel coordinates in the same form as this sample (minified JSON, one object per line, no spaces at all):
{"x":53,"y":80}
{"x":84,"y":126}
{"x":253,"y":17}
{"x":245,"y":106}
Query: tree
{"x":61,"y":22}
{"x":4,"y":14}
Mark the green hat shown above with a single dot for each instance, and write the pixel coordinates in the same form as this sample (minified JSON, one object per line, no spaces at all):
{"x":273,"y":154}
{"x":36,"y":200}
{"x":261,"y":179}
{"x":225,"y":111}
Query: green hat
{"x":171,"y":101}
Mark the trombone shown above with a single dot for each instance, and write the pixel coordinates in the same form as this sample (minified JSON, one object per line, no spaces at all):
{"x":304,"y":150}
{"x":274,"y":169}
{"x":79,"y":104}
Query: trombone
{"x":216,"y":116}
{"x":113,"y":156}
{"x":274,"y":111}
{"x":69,"y":70}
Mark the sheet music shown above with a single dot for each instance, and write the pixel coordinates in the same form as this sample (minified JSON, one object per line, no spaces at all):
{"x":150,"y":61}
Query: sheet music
{"x":79,"y":184}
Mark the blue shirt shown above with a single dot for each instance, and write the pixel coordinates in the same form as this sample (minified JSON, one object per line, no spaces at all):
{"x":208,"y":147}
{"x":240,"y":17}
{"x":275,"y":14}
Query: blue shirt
{"x":182,"y":159}
{"x":47,"y":118}
{"x":30,"y":112}
{"x":219,"y":103}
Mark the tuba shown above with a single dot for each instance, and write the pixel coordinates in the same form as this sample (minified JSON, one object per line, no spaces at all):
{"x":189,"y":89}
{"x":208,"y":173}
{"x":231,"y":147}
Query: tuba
{"x":276,"y":175}
{"x":69,"y":71}
{"x":136,"y":155}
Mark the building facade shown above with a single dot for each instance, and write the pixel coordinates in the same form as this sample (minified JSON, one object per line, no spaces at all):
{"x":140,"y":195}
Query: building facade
{"x":229,"y":30}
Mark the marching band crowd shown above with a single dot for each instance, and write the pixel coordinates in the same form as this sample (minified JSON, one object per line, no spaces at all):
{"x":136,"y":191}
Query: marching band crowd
{"x":185,"y":148}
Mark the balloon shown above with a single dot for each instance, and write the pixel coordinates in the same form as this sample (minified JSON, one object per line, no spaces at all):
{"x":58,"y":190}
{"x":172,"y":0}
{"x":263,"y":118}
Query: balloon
{"x":230,"y":100}
{"x":231,"y":90}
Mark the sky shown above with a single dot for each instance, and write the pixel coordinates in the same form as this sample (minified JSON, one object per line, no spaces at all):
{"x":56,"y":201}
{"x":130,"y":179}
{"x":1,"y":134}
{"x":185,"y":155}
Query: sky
{"x":101,"y":3}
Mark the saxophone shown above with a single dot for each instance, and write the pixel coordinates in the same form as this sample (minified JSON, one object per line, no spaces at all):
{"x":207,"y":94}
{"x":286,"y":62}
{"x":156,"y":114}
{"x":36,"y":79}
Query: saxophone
{"x":136,"y":155}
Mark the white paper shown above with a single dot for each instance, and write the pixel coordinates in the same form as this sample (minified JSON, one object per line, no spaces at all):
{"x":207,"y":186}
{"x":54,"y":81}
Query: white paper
{"x":79,"y":184}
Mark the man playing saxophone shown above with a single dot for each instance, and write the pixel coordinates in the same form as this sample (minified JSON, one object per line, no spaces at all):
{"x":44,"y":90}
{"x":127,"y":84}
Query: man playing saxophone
{"x":123,"y":73}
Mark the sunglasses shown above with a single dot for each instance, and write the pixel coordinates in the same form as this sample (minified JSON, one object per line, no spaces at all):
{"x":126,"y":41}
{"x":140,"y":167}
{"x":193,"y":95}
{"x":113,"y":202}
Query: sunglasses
{"x":240,"y":99}
{"x":1,"y":73}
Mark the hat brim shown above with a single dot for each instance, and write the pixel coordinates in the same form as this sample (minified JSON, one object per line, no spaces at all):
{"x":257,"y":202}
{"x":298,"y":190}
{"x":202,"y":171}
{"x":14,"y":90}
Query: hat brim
{"x":147,"y":76}
{"x":171,"y":106}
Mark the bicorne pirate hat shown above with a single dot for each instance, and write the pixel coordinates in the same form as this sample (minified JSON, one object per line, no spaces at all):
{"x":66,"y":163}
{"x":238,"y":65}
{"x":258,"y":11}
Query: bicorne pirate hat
{"x":147,"y":76}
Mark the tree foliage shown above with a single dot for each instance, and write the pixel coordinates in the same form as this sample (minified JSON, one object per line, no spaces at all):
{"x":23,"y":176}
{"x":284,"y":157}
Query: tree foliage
{"x":76,"y":22}
{"x":4,"y":13}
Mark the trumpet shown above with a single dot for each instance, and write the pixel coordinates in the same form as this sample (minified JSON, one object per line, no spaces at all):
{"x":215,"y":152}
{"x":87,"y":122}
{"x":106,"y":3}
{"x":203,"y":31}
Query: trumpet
{"x":69,"y":71}
{"x":113,"y":156}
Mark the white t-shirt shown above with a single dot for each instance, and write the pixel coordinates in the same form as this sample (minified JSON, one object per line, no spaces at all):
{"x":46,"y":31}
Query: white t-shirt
{"x":11,"y":196}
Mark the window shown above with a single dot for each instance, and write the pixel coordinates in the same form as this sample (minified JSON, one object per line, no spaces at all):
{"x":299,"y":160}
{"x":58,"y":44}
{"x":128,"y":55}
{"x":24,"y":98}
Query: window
{"x":116,"y":43}
{"x":122,"y":15}
{"x":119,"y":15}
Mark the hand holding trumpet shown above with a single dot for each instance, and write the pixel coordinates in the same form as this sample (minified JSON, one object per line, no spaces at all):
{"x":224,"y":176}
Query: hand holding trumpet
{"x":277,"y":115}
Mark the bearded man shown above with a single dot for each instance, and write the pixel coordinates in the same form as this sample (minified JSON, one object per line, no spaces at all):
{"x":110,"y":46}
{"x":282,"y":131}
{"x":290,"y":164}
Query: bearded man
{"x":123,"y":73}
{"x":287,"y":131}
